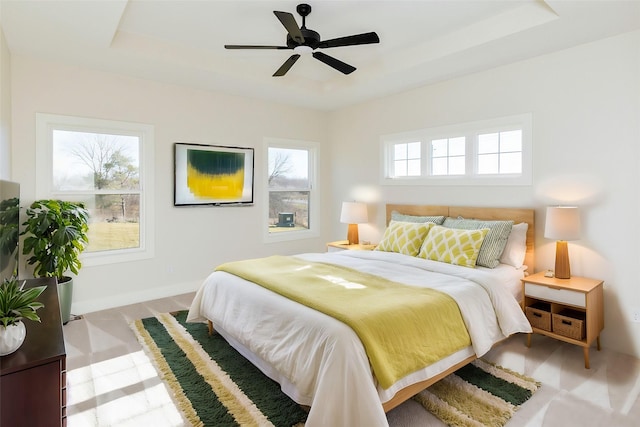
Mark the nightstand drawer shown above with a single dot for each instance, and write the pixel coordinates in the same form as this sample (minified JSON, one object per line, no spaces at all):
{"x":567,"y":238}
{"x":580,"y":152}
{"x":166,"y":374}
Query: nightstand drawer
{"x":564,"y":296}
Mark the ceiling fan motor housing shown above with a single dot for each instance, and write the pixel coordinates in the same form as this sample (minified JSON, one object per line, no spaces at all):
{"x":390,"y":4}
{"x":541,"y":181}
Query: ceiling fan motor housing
{"x":311,"y":39}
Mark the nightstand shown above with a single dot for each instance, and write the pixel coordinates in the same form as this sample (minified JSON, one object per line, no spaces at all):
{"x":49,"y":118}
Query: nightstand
{"x":569,"y":310}
{"x":343,"y":245}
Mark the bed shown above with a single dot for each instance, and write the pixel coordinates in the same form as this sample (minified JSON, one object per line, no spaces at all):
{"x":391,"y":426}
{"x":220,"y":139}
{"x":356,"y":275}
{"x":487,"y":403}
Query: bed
{"x":322,"y":363}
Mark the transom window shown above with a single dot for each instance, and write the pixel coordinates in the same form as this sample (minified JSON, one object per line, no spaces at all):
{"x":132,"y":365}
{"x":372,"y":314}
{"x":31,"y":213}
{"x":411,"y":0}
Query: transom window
{"x":406,"y":161}
{"x":489,"y":152}
{"x":447,"y":156}
{"x":500,"y":152}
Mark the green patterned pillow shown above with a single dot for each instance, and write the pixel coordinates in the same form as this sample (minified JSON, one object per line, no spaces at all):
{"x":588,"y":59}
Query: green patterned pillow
{"x":494,"y":242}
{"x":436,"y":219}
{"x":453,"y":246}
{"x":404,"y":237}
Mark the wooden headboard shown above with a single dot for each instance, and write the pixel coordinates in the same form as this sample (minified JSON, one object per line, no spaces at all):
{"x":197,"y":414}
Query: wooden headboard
{"x":517,"y":215}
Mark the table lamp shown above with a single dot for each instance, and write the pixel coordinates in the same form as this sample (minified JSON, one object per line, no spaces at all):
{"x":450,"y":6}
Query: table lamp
{"x":353,"y":213}
{"x":562,"y":224}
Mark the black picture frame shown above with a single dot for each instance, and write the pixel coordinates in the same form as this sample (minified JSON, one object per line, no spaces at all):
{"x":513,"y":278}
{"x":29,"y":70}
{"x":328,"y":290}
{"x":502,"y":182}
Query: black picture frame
{"x":213,"y":175}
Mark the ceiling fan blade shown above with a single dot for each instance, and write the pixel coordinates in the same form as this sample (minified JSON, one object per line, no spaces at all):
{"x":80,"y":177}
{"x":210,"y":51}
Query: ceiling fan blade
{"x":240,"y":46}
{"x":335,"y":63}
{"x":291,"y":25}
{"x":365,"y":38}
{"x":286,"y":66}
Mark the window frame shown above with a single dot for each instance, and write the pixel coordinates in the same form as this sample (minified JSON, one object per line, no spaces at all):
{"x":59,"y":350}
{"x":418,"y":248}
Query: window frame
{"x":470,"y":131}
{"x":499,"y":152}
{"x":430,"y":158}
{"x":406,"y":160}
{"x":312,"y":149}
{"x":47,"y":123}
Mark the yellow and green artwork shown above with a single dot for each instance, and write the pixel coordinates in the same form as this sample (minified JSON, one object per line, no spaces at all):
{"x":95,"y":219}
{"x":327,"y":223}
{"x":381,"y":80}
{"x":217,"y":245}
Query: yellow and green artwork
{"x":212,"y":175}
{"x":215,"y":174}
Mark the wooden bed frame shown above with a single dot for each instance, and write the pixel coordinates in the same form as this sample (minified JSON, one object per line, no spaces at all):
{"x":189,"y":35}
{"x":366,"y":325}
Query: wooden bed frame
{"x":518,"y":215}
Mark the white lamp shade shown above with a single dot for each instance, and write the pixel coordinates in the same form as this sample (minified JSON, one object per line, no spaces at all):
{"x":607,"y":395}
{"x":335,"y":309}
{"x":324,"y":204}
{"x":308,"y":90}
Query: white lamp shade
{"x":353,"y":213}
{"x":562,"y":223}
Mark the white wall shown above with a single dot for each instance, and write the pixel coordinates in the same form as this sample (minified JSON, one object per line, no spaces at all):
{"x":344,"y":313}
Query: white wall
{"x":585,"y":103}
{"x":190,"y":242}
{"x":5,"y":109}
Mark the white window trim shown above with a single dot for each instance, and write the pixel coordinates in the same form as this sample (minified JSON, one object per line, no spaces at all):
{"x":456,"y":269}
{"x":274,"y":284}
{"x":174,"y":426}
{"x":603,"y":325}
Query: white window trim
{"x":314,"y":196}
{"x":46,"y":123}
{"x":470,"y":129}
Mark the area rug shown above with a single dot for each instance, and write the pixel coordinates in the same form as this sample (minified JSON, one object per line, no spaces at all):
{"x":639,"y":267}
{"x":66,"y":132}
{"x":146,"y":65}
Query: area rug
{"x":478,"y":394}
{"x":213,"y":385}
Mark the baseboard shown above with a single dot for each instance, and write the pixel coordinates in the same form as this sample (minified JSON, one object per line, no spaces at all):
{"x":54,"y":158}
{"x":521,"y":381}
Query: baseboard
{"x":83,"y":307}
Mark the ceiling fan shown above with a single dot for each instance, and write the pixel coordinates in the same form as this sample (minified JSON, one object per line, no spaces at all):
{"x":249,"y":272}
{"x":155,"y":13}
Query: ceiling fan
{"x":303,"y":40}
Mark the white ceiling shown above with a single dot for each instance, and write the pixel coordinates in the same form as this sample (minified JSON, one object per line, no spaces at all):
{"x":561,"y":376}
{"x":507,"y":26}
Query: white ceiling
{"x":421,"y":42}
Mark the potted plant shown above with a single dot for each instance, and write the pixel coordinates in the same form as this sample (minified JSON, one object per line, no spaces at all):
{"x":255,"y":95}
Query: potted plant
{"x":9,"y":220}
{"x":16,"y":303}
{"x":56,"y":233}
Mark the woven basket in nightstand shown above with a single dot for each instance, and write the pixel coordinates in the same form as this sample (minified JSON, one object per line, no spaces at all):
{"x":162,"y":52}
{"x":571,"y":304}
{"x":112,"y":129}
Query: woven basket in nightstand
{"x":539,"y":316}
{"x":569,"y":323}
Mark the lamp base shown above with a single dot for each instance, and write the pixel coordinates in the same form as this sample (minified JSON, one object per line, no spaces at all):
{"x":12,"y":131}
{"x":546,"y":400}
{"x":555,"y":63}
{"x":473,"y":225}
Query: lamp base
{"x":563,"y":270}
{"x":352,"y":234}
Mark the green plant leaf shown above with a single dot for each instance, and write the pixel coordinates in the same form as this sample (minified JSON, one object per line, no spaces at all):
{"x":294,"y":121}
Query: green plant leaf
{"x":55,"y":235}
{"x":17,"y":303}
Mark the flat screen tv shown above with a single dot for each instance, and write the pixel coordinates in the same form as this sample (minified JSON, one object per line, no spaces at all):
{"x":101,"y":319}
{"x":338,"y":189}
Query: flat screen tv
{"x":9,"y":228}
{"x":212,"y":175}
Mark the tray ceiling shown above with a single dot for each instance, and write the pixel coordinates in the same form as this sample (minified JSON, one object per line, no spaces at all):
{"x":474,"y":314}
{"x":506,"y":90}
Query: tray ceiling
{"x":421,"y":42}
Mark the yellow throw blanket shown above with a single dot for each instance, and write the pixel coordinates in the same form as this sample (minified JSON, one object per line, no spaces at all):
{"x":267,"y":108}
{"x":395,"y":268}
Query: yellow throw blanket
{"x":403,"y":328}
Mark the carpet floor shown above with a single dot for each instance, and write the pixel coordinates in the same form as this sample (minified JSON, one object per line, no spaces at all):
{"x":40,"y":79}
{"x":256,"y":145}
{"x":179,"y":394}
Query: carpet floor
{"x":112,"y":382}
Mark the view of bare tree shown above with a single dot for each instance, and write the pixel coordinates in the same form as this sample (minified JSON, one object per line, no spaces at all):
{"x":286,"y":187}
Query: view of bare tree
{"x":112,"y":169}
{"x":285,"y":196}
{"x":104,"y":155}
{"x":281,"y":166}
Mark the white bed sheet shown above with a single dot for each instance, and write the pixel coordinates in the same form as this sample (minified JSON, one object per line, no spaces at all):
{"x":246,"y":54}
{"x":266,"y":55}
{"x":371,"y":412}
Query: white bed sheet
{"x":320,"y":361}
{"x":510,"y":277}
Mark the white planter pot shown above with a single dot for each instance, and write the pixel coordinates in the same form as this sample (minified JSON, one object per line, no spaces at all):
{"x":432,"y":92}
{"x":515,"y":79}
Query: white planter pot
{"x":11,"y":338}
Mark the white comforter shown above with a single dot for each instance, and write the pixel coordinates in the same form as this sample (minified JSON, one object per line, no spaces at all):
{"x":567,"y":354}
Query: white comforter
{"x":320,"y":361}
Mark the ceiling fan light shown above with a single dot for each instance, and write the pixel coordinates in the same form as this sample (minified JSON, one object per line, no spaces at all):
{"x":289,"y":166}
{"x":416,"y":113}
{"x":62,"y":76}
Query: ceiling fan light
{"x":302,"y":50}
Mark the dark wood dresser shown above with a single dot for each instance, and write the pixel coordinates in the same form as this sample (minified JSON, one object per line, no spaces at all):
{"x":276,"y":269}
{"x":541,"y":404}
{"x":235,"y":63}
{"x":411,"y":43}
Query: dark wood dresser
{"x":33,"y":380}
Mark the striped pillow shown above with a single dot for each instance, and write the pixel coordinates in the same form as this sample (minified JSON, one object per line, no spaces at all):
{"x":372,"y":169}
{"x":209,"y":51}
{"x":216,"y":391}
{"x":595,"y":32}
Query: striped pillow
{"x":493,"y":244}
{"x":436,"y":219}
{"x":404,"y":237}
{"x":453,"y":246}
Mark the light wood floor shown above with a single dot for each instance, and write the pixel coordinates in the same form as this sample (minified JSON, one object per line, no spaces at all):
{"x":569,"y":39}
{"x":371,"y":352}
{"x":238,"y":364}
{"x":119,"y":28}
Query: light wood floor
{"x":112,"y":383}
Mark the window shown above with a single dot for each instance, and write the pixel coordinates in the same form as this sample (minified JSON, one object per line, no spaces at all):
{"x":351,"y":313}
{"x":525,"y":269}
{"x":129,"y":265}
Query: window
{"x":406,"y":159}
{"x":489,"y":152}
{"x":447,"y":156}
{"x":108,"y":165}
{"x":500,"y":152}
{"x":291,"y":190}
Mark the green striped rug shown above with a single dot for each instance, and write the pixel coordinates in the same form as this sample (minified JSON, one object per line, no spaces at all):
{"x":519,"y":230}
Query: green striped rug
{"x":213,"y":385}
{"x":479,"y":394}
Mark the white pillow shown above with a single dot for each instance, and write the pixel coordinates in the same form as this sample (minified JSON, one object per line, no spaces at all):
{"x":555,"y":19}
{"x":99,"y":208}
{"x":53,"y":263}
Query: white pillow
{"x":516,"y":247}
